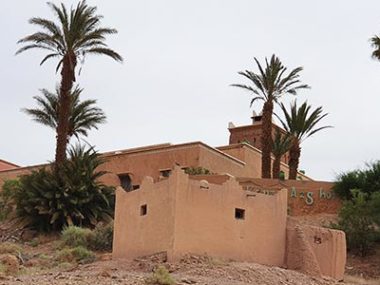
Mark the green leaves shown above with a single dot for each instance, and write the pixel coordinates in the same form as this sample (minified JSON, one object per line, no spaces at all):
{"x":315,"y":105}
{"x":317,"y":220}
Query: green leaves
{"x":84,"y":115}
{"x":48,"y":202}
{"x":76,"y":32}
{"x":271,"y":82}
{"x":356,"y":218}
{"x":367,"y":179}
{"x":281,"y":143}
{"x":301,"y":122}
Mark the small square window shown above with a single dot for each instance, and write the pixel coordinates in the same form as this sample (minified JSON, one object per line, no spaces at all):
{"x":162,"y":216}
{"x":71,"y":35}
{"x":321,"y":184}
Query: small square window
{"x":239,"y":214}
{"x":143,"y":210}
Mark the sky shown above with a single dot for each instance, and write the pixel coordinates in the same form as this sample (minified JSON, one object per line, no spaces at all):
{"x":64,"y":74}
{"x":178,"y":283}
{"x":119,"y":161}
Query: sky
{"x":181,"y":58}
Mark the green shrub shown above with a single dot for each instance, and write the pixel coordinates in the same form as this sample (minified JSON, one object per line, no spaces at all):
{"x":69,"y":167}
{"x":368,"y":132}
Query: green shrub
{"x":102,"y":237}
{"x":356,"y":219}
{"x":161,"y":276}
{"x":77,"y":254}
{"x":47,"y":201}
{"x":368,"y":180}
{"x":75,"y":236}
{"x":197,"y":171}
{"x":6,"y":197}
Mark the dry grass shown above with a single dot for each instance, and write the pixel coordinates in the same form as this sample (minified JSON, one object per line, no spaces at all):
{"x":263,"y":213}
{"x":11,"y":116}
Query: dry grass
{"x":8,"y":247}
{"x":360,"y":280}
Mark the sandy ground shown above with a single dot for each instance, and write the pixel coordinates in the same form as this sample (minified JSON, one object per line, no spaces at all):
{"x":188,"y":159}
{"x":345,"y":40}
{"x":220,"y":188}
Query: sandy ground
{"x":191,"y":270}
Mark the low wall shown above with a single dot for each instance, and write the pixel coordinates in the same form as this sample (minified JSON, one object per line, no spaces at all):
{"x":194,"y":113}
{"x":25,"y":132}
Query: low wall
{"x":316,"y":251}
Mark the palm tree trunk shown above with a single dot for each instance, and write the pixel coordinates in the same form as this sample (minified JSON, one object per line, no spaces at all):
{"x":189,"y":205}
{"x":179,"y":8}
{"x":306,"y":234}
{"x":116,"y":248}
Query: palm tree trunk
{"x":266,"y":139}
{"x":68,"y":78}
{"x":294,"y":158}
{"x":276,"y":167}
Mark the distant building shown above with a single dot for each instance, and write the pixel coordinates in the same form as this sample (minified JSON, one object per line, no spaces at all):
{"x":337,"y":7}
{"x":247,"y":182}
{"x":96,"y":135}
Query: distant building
{"x":5,"y":165}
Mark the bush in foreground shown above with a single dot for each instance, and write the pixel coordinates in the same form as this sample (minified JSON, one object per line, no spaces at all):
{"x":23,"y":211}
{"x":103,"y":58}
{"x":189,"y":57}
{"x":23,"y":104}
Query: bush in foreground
{"x":6,"y":198}
{"x":161,"y":276}
{"x":47,"y":201}
{"x":101,"y":237}
{"x":75,"y":236}
{"x":356,"y":219}
{"x":77,"y":254}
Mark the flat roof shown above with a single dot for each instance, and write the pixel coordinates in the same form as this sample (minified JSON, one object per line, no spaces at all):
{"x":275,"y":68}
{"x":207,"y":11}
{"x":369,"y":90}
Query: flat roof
{"x":147,"y":149}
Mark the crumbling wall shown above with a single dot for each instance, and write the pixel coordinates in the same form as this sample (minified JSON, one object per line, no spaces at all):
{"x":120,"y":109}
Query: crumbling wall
{"x":315,"y":251}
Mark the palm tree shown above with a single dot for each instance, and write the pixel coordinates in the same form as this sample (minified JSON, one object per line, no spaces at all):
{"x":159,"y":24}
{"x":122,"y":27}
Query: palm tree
{"x":269,"y":85}
{"x":375,"y":42}
{"x":300,"y":123}
{"x":281,"y":145}
{"x":83,"y":115}
{"x":76,"y":34}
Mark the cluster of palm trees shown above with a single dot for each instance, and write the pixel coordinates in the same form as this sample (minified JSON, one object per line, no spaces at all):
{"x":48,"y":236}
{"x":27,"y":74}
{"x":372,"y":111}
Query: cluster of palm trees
{"x":76,"y":34}
{"x":269,"y":84}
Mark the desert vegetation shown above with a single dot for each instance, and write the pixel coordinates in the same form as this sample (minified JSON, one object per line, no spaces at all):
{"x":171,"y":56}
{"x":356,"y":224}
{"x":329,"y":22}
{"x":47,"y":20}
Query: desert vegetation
{"x":359,"y":216}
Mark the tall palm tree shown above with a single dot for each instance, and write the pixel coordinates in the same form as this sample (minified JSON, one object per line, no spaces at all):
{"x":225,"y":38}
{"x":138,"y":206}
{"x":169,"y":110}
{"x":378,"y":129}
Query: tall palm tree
{"x":301,"y":123}
{"x":268,"y":85}
{"x":281,"y":145}
{"x":76,"y":34}
{"x":83,"y":115}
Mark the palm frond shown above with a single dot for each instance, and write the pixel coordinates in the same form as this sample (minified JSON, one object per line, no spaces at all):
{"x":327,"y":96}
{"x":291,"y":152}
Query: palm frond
{"x":104,"y":51}
{"x":84,"y":115}
{"x":301,"y":121}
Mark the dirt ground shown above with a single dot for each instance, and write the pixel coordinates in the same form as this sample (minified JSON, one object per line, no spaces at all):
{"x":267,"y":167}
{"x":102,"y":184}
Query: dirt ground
{"x":190,"y":270}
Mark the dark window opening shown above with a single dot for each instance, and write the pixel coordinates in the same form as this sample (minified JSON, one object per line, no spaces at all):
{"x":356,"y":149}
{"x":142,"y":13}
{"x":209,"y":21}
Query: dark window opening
{"x":125,"y":182}
{"x":239,"y":214}
{"x":143,"y":210}
{"x":135,"y":187}
{"x":165,"y":173}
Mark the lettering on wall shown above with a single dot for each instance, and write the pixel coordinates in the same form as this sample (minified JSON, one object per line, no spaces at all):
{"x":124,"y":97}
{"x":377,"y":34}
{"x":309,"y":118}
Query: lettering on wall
{"x":308,"y":196}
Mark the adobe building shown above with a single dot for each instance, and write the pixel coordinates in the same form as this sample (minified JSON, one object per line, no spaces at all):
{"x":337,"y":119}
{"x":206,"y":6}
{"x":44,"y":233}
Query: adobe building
{"x":6,"y":165}
{"x":218,"y":217}
{"x":232,"y":213}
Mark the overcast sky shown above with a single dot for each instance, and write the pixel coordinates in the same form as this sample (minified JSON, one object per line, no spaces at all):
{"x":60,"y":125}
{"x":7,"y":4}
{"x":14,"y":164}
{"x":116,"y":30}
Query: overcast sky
{"x":181,"y":57}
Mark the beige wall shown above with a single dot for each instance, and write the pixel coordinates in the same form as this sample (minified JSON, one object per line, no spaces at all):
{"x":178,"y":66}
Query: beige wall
{"x":149,"y":162}
{"x":315,"y":250}
{"x":194,"y":216}
{"x":252,"y":158}
{"x":204,"y":221}
{"x":136,"y":235}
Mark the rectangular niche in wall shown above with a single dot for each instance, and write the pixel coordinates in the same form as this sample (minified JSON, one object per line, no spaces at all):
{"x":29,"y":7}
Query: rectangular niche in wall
{"x":239,"y":214}
{"x":143,"y":210}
